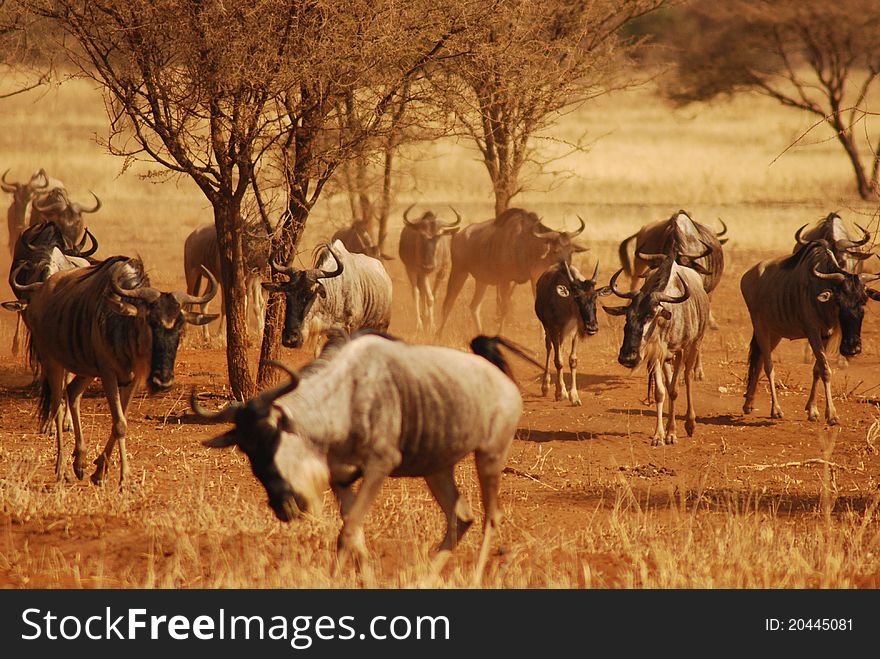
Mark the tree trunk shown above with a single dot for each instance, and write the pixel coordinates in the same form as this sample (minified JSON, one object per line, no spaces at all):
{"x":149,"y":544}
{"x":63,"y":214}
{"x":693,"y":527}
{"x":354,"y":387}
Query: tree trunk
{"x":230,"y":239}
{"x":385,"y":203}
{"x":844,"y":136}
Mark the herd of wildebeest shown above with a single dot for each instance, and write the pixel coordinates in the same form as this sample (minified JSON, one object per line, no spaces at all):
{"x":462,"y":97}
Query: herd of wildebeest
{"x":372,"y":406}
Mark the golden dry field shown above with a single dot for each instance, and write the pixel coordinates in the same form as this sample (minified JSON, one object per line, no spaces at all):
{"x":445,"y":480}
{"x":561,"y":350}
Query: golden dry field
{"x":747,"y":502}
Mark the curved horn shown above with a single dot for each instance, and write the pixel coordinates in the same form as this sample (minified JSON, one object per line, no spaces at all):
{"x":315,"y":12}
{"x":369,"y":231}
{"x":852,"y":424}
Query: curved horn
{"x":457,"y":220}
{"x":9,"y":187}
{"x":663,"y":297}
{"x":595,"y":276}
{"x":650,"y":257}
{"x":226,"y":415}
{"x":543,"y":235}
{"x":723,"y":231}
{"x":845,"y":243}
{"x":797,"y":236}
{"x":326,"y":274}
{"x":576,"y":232}
{"x":406,"y":219}
{"x":567,"y":269}
{"x":79,"y":208}
{"x":41,"y":205}
{"x":832,"y":276}
{"x":628,"y":296}
{"x":79,"y":251}
{"x":145,"y":293}
{"x":867,"y":278}
{"x":186,"y":298}
{"x":264,"y":400}
{"x":17,"y":288}
{"x":281,"y":269}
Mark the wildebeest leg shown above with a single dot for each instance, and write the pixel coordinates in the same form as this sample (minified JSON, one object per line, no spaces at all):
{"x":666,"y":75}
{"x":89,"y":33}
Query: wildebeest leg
{"x":118,"y":403}
{"x":428,"y":297}
{"x":690,"y":423}
{"x":415,"y":283}
{"x":55,"y":379}
{"x":458,"y":513}
{"x":659,"y":400}
{"x":821,"y":369}
{"x":502,"y":294}
{"x":16,"y":340}
{"x":561,"y":392}
{"x":489,"y":468}
{"x":351,"y":538}
{"x":671,"y":373}
{"x":457,"y":278}
{"x":713,"y":324}
{"x":545,"y":383}
{"x":573,"y":365}
{"x":345,"y":496}
{"x":75,"y":390}
{"x":476,"y":303}
{"x":767,"y":347}
{"x":698,"y":367}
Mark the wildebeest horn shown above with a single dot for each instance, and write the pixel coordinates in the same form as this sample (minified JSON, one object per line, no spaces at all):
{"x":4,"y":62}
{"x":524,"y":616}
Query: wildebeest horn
{"x":9,"y":187}
{"x":833,"y":276}
{"x":145,"y":293}
{"x":663,"y":297}
{"x":651,"y":258}
{"x":226,"y":415}
{"x":21,"y":288}
{"x":42,"y":205}
{"x":79,"y":249}
{"x":595,"y":276}
{"x":867,"y":278}
{"x":264,"y":400}
{"x":80,"y":209}
{"x":723,"y":231}
{"x":567,"y":268}
{"x":186,"y":298}
{"x":845,"y":243}
{"x":576,"y":232}
{"x":406,"y":219}
{"x":705,"y":253}
{"x":544,"y":235}
{"x":797,"y":236}
{"x":457,"y":220}
{"x":327,"y":274}
{"x":281,"y":269}
{"x":611,"y":284}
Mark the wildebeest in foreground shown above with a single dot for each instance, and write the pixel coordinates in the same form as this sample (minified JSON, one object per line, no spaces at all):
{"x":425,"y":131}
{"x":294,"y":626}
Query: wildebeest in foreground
{"x":105,"y":321}
{"x":513,"y":248}
{"x":357,"y":240}
{"x":201,"y":252}
{"x":565,"y":303}
{"x":665,"y":323}
{"x":805,"y":295}
{"x":351,"y":291}
{"x":424,"y":251}
{"x":371,"y":408}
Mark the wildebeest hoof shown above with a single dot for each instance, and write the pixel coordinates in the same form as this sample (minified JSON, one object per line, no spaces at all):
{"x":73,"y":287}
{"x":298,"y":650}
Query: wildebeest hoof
{"x":544,"y":390}
{"x":812,"y":415}
{"x":575,"y":400}
{"x":748,"y":408}
{"x":671,"y":439}
{"x":656,"y":441}
{"x":833,"y":421}
{"x":777,"y":414}
{"x":78,"y":470}
{"x":689,"y":427}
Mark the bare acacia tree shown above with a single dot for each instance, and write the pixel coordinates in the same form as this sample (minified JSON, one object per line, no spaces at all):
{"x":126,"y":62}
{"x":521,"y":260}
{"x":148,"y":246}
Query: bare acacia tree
{"x":822,"y":58}
{"x":529,"y":61}
{"x":188,"y":85}
{"x":21,"y":56}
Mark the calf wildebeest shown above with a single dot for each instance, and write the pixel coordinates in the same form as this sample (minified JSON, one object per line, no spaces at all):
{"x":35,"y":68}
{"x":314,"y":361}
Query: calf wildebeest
{"x":55,"y":206}
{"x":105,"y":321}
{"x":357,"y":240}
{"x":513,"y":248}
{"x":22,"y":195}
{"x":565,"y":303}
{"x":805,"y":295}
{"x":201,"y":250}
{"x":351,"y":291}
{"x":679,"y":234}
{"x":371,"y":408}
{"x":665,"y":323}
{"x":424,"y":251}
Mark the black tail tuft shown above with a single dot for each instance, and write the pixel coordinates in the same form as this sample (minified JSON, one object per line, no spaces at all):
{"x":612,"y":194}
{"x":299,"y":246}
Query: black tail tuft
{"x":44,"y":405}
{"x":754,"y":361}
{"x":623,"y":252}
{"x":487,"y":347}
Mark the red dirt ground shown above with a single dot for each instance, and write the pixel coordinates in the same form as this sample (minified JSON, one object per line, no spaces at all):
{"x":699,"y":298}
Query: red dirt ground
{"x":562,"y":459}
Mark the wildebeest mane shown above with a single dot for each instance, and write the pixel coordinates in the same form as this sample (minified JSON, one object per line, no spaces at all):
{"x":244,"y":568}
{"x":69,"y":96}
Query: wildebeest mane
{"x":801,"y":254}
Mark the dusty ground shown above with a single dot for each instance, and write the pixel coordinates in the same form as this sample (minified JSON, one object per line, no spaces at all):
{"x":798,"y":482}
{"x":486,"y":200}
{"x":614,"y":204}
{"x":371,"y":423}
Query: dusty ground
{"x":565,"y":465}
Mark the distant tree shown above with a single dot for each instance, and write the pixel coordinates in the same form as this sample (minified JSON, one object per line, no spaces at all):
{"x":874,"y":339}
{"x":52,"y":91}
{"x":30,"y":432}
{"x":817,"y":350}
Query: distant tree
{"x":21,"y":58}
{"x":820,"y":57}
{"x":525,"y":64}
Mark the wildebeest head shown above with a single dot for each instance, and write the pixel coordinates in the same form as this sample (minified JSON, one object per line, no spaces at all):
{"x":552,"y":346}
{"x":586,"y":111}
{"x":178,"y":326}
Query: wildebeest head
{"x":845,"y":290}
{"x":832,"y":229}
{"x":556,"y":245}
{"x":56,"y":207}
{"x":430,"y":231}
{"x":300,"y":293}
{"x":163,"y":315}
{"x":584,"y":294}
{"x":291,"y":468}
{"x":22,"y":193}
{"x":645,"y":311}
{"x":675,"y":251}
{"x":35,"y":258}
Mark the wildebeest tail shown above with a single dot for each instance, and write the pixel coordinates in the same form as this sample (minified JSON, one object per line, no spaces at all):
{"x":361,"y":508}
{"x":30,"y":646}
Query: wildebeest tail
{"x":44,"y":405}
{"x":487,"y":347}
{"x":623,"y":251}
{"x":754,"y":360}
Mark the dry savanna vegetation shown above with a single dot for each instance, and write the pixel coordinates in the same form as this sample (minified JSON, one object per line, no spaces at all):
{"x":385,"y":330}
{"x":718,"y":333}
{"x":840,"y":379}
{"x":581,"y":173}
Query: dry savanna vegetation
{"x":748,"y":502}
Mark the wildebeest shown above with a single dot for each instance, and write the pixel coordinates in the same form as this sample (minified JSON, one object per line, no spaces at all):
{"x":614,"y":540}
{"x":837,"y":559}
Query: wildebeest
{"x":424,"y":251}
{"x":843,"y":245}
{"x":371,"y":408}
{"x":105,"y":321}
{"x":565,"y":303}
{"x":55,"y":206}
{"x":513,"y":248}
{"x":665,"y":323}
{"x":351,"y":291}
{"x":678,"y":234}
{"x":805,"y":295}
{"x":22,"y":195}
{"x":357,"y":240}
{"x":202,"y":250}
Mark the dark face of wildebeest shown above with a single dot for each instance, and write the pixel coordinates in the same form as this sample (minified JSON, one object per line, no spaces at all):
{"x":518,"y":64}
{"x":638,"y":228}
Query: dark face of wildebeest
{"x":585,"y":296}
{"x":290,"y":469}
{"x":430,"y":231}
{"x":848,"y":292}
{"x":645,"y":307}
{"x":161,"y":317}
{"x":300,"y":292}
